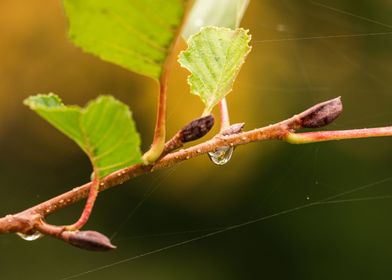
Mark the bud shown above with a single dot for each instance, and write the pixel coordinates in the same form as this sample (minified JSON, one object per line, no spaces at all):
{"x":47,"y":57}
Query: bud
{"x":232,"y":129}
{"x":321,"y":114}
{"x":88,"y":240}
{"x":196,"y":129}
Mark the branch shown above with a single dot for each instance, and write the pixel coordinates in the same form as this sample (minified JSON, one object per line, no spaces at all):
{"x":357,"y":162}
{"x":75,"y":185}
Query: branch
{"x":31,"y":220}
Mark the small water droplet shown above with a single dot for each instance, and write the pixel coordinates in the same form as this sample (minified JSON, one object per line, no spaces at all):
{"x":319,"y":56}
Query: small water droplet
{"x":30,"y":237}
{"x":221,"y":155}
{"x":308,"y":198}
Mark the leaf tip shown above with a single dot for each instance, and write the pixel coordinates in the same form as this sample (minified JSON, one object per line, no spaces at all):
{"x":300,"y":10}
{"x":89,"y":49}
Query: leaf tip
{"x":38,"y":101}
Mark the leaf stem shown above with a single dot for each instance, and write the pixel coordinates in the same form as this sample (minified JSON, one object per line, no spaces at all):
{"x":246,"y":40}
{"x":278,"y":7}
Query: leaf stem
{"x":224,"y":114}
{"x":158,"y":142}
{"x":88,"y":207}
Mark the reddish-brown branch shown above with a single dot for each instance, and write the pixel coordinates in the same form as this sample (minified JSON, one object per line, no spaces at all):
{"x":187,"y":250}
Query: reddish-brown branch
{"x":88,"y":208}
{"x":320,"y":136}
{"x":224,"y":115}
{"x":31,"y":219}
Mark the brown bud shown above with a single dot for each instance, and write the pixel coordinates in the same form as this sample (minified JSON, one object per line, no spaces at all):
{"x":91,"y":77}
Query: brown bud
{"x":321,"y":114}
{"x":88,"y":240}
{"x":232,"y":129}
{"x":196,"y":129}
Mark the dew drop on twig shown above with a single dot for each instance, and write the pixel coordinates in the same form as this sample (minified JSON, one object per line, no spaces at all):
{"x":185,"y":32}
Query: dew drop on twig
{"x":221,"y":155}
{"x":30,"y":237}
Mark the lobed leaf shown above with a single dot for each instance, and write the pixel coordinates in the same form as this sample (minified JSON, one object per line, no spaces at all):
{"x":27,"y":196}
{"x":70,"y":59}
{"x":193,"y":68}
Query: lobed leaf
{"x":136,"y":34}
{"x":104,"y":129}
{"x":214,"y":57}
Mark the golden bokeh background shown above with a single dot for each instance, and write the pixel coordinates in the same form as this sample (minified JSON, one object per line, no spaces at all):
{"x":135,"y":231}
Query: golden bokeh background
{"x":303,"y":52}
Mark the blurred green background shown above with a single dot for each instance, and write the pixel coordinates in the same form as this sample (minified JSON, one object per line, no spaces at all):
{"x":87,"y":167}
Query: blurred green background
{"x":301,"y":55}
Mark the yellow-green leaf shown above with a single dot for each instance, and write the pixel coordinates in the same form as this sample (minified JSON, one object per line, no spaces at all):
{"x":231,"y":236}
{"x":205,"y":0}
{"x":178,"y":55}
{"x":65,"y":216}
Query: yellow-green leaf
{"x":104,"y":129}
{"x":214,"y":57}
{"x":134,"y":34}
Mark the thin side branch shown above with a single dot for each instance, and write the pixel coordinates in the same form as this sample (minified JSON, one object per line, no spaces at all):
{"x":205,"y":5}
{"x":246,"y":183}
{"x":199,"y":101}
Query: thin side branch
{"x":31,"y":220}
{"x":88,"y":208}
{"x":320,"y":136}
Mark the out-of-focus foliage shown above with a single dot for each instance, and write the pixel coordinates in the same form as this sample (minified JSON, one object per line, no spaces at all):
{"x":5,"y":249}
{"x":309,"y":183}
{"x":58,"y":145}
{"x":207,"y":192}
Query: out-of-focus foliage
{"x":223,"y":13}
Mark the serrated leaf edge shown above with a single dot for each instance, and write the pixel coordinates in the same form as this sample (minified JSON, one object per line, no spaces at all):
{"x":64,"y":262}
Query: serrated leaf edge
{"x":33,"y":105}
{"x":209,"y":107}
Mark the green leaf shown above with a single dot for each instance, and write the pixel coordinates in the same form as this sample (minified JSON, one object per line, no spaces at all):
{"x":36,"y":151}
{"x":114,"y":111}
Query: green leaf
{"x":214,"y":58}
{"x":136,"y":34}
{"x":104,"y":129}
{"x":222,"y":13}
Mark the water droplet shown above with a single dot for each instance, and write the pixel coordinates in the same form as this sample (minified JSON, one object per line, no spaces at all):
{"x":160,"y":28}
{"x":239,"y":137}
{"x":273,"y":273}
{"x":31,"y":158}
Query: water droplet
{"x":221,"y":155}
{"x":308,"y":198}
{"x":30,"y":237}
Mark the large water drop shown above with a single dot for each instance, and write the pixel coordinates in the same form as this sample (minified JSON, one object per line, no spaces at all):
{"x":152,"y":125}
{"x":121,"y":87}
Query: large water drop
{"x":221,"y":155}
{"x":30,"y":237}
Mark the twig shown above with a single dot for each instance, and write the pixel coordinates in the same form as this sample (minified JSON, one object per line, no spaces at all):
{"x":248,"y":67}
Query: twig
{"x":31,"y":220}
{"x":88,"y":208}
{"x":320,"y":136}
